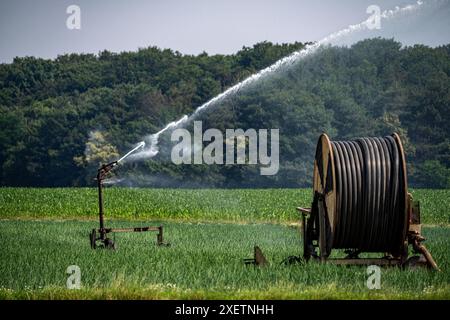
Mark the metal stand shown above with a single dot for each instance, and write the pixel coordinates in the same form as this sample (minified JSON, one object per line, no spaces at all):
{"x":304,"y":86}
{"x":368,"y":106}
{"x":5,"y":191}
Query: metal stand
{"x":258,"y":258}
{"x":101,"y":240}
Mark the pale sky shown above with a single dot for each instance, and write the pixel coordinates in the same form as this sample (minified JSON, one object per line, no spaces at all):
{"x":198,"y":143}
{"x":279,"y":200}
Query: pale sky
{"x":38,"y":28}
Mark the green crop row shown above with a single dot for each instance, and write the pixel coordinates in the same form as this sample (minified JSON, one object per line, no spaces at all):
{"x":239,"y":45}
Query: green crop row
{"x":238,"y":205}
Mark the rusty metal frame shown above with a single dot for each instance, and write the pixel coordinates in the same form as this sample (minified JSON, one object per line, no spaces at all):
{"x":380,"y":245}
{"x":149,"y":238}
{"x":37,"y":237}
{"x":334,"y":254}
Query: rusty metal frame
{"x":102,"y":232}
{"x":312,"y":238}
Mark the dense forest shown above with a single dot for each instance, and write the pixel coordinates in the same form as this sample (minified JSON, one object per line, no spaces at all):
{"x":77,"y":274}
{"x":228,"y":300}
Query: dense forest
{"x":60,"y":118}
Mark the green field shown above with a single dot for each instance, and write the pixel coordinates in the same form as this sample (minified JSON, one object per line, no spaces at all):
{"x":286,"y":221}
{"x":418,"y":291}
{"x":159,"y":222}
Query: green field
{"x":43,"y":231}
{"x":239,"y":205}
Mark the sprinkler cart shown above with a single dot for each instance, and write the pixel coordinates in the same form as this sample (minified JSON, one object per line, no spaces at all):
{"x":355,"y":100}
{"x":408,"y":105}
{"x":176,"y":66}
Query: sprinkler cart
{"x":101,"y":234}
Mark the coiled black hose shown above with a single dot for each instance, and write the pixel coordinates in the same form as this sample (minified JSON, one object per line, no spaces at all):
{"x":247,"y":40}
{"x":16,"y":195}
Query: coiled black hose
{"x":370,"y":194}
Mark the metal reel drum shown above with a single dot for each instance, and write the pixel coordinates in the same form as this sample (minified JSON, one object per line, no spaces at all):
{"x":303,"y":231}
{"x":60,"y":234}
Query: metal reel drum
{"x":361,"y":204}
{"x":403,"y":240}
{"x":324,"y":182}
{"x":325,"y":217}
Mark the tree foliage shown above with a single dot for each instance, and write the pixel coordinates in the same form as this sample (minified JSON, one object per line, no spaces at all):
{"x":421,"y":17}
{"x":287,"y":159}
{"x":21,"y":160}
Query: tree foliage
{"x":49,"y":108}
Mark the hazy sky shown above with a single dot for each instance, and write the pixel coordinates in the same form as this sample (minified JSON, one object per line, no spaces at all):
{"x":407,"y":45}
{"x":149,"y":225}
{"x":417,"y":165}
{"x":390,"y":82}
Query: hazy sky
{"x":38,"y":27}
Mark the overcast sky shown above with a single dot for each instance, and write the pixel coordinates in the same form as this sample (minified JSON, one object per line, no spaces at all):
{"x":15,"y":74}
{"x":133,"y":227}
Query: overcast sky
{"x":38,"y":27}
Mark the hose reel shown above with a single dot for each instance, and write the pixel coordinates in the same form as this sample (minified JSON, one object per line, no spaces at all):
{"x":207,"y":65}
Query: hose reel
{"x":361,"y":203}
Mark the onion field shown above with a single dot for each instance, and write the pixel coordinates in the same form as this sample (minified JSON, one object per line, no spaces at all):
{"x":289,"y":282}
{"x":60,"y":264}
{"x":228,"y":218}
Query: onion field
{"x":44,"y":231}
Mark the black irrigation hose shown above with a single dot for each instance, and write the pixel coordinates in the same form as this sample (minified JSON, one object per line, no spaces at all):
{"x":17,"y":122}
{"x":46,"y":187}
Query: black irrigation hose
{"x":370,"y":191}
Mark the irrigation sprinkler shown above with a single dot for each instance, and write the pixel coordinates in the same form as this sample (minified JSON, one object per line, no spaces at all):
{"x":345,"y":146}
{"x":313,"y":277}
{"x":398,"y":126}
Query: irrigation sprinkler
{"x":100,"y":235}
{"x":361,"y":204}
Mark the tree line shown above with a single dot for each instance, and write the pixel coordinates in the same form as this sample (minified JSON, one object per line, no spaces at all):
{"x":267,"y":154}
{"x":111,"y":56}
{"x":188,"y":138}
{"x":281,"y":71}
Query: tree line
{"x":60,"y":118}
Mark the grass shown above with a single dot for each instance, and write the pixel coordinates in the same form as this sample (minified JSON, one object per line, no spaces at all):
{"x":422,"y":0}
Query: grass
{"x":43,"y":231}
{"x":243,"y":205}
{"x":204,"y":261}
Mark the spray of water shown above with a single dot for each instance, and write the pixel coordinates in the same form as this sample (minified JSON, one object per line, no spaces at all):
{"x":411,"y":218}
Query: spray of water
{"x":152,"y":150}
{"x":113,"y":181}
{"x":283,"y":63}
{"x":139,"y":145}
